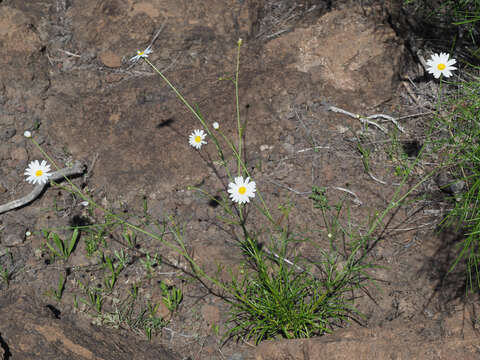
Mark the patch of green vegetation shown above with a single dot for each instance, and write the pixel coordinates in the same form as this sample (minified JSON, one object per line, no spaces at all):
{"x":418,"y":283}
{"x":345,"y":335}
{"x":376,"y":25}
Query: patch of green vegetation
{"x":94,"y":297}
{"x":150,"y":263}
{"x":171,"y":296}
{"x":92,"y":243}
{"x":454,"y":143}
{"x":5,"y":275}
{"x":462,"y":14}
{"x":274,"y":298}
{"x":459,"y":143}
{"x":61,"y":248}
{"x":58,"y":292}
{"x":111,"y":279}
{"x":129,"y":313}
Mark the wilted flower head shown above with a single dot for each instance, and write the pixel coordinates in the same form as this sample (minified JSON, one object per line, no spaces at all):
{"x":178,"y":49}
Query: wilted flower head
{"x":142,"y":54}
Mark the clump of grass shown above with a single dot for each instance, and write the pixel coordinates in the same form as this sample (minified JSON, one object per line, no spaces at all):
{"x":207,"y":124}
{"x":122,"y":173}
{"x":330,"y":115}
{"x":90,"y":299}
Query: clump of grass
{"x":94,"y":298}
{"x":58,"y":292}
{"x":131,"y":313}
{"x":460,"y":144}
{"x":5,"y":275}
{"x":277,"y":299}
{"x":454,"y":144}
{"x":61,"y":248}
{"x":459,"y":16}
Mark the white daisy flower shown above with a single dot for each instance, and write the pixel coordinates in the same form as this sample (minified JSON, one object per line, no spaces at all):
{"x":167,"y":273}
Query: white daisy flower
{"x":197,"y":138}
{"x":38,"y":172}
{"x":27,"y":134}
{"x":215,"y":125}
{"x":242,"y":190}
{"x":440,"y":64}
{"x":142,"y":54}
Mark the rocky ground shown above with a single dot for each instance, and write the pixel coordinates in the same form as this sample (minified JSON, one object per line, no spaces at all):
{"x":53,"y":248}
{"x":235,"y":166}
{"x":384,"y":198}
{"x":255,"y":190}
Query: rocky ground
{"x":65,"y":75}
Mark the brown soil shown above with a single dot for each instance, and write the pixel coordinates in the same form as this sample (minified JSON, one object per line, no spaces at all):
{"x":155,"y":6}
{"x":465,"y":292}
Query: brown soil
{"x":65,"y":74}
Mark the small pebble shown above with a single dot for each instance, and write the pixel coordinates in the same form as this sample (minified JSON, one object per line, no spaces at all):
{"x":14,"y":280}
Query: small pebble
{"x":7,"y":134}
{"x":13,"y":235}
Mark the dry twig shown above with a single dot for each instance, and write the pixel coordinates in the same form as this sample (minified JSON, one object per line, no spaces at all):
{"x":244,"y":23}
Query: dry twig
{"x":366,"y":119}
{"x":76,"y":169}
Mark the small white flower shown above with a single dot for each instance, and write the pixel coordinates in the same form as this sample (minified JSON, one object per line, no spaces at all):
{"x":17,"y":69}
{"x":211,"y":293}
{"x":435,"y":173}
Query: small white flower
{"x":84,"y":203}
{"x":38,"y":172}
{"x":142,"y":54}
{"x":215,"y":125}
{"x":28,"y":234}
{"x":440,"y":64}
{"x":242,"y":190}
{"x":27,"y":134}
{"x":197,"y":138}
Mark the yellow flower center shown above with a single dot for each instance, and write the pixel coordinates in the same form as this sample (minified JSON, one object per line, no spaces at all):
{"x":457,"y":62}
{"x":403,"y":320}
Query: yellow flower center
{"x":242,"y":190}
{"x":441,"y":67}
{"x":38,"y":173}
{"x":198,"y":139}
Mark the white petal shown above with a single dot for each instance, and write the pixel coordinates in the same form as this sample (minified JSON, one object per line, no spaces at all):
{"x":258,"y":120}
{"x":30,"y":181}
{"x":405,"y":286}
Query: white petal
{"x":447,"y":73}
{"x":451,"y":62}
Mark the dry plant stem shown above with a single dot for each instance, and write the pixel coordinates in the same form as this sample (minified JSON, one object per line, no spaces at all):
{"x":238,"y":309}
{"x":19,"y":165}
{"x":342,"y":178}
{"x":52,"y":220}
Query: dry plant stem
{"x":69,"y":53}
{"x":289,"y":188}
{"x":356,"y":200}
{"x":367,"y":119}
{"x":410,"y":92}
{"x":77,"y":169}
{"x":389,"y":118}
{"x":356,"y":116}
{"x":272,"y":253}
{"x":376,"y":179}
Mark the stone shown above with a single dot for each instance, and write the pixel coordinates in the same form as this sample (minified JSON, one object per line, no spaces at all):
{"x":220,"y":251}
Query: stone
{"x":7,"y":134}
{"x":343,"y":51}
{"x":19,"y":154}
{"x":13,"y":235}
{"x":110,"y":59}
{"x":211,"y":314}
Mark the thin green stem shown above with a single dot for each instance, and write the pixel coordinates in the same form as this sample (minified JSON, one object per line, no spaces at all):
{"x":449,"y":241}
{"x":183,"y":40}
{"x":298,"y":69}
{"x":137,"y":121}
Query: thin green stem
{"x":185,"y":102}
{"x":237,"y":103}
{"x":237,"y":153}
